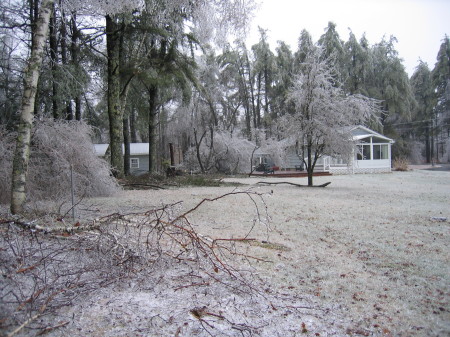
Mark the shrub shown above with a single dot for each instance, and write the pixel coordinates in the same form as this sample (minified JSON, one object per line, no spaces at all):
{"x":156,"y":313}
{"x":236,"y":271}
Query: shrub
{"x":57,"y":147}
{"x":400,"y":164}
{"x":231,"y":154}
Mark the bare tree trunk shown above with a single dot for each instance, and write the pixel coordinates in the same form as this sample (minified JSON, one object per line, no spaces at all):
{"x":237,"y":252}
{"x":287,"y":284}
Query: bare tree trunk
{"x":197,"y":147}
{"x":427,"y":144}
{"x":133,"y":132}
{"x":126,"y":145}
{"x":68,"y":111}
{"x":152,"y":124}
{"x":310,"y":166}
{"x":34,"y":12}
{"x":257,"y":116}
{"x":74,"y":50}
{"x":251,"y":89}
{"x":266,"y":98}
{"x":114,"y":108}
{"x":22,"y":153}
{"x":54,"y":63}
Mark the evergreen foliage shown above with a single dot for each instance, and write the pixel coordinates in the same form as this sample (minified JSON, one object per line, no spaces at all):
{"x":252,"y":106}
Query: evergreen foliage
{"x":166,"y":72}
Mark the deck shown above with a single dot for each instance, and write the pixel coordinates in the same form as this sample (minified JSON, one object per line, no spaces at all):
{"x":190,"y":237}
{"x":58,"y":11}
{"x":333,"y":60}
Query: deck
{"x":289,"y":174}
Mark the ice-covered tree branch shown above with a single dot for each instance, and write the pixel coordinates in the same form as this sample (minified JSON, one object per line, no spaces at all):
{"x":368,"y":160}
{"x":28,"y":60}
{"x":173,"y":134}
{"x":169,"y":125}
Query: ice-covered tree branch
{"x":324,"y":113}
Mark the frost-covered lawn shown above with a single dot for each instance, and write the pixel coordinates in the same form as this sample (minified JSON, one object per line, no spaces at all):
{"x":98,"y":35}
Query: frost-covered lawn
{"x":368,"y":255}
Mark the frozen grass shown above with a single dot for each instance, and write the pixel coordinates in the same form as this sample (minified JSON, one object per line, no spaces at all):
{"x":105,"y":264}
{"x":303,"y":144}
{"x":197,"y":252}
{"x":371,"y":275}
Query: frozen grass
{"x":366,"y":256}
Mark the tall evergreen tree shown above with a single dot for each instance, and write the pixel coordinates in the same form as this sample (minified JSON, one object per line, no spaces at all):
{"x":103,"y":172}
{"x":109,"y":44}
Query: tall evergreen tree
{"x":114,"y":46}
{"x":390,"y":83}
{"x":441,"y":75}
{"x":305,"y":45}
{"x":441,"y":81}
{"x":283,"y":80}
{"x":333,"y":47}
{"x":262,"y":77}
{"x":358,"y":64}
{"x":422,"y":86}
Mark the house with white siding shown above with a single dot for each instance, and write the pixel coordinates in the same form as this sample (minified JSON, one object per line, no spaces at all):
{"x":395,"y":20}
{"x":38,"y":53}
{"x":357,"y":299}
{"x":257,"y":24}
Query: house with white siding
{"x":372,"y":155}
{"x":138,"y":156}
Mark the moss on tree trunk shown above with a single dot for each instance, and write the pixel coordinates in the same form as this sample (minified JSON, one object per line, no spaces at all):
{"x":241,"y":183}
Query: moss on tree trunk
{"x":114,"y":108}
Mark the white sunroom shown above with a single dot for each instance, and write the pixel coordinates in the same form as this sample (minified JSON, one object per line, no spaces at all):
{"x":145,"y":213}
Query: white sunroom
{"x":373,"y":155}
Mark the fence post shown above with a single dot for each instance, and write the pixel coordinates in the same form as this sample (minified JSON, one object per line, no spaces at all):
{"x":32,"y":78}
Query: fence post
{"x":72,"y":192}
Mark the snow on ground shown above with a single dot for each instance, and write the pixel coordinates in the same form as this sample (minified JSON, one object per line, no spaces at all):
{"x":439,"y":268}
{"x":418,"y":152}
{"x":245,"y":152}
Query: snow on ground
{"x":366,"y":256}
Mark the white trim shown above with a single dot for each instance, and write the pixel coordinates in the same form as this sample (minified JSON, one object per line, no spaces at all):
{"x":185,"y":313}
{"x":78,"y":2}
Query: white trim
{"x":136,"y":149}
{"x":369,"y":133}
{"x":136,"y":163}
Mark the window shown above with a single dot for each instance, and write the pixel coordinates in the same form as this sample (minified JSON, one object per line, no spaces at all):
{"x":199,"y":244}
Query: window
{"x":380,"y":151}
{"x":364,"y":152}
{"x":134,"y":163}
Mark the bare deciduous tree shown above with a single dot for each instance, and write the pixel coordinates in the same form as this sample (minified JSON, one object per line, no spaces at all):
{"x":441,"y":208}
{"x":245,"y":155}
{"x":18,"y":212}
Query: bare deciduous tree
{"x":324,"y":113}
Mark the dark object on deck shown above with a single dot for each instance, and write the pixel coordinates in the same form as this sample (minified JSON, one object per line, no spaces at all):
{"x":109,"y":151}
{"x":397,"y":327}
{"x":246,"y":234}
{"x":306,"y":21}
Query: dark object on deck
{"x":300,"y":167}
{"x":266,"y":168}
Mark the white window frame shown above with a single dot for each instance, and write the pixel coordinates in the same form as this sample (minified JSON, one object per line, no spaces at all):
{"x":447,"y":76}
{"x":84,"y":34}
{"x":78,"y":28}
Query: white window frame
{"x":383,"y":151}
{"x":134,"y":163}
{"x":361,"y":154}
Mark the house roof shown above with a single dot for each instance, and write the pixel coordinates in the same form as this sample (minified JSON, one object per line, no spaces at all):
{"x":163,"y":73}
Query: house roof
{"x":136,"y":149}
{"x":100,"y":149}
{"x":360,"y":132}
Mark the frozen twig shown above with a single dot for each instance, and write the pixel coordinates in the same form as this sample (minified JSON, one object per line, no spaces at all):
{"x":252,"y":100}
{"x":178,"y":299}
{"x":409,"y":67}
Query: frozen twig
{"x":111,"y":248}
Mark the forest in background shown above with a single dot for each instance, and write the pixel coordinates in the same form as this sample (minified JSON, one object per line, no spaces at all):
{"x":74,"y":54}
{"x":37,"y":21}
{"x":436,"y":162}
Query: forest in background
{"x":168,"y":73}
{"x":164,"y":71}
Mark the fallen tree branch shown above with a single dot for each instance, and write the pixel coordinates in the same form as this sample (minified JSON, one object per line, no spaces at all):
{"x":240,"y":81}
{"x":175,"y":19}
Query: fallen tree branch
{"x":298,"y":185}
{"x":158,"y":251}
{"x":152,"y":186}
{"x":50,"y":328}
{"x":23,"y":325}
{"x":54,"y":230}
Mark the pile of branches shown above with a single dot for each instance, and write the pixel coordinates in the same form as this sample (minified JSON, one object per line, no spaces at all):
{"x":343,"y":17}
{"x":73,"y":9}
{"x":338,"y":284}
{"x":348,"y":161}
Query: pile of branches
{"x":46,"y":268}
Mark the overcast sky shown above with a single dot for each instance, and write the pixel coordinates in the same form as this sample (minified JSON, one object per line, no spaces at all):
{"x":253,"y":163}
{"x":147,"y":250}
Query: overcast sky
{"x":418,"y":25}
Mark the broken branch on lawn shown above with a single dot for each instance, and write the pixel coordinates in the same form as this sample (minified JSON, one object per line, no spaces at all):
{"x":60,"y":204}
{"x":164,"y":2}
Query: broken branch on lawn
{"x":111,"y":249}
{"x":289,"y":183}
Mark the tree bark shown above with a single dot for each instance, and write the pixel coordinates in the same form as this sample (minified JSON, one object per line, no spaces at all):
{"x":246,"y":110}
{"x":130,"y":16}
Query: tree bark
{"x":133,"y":132}
{"x":197,"y":147}
{"x":152,"y":123}
{"x":114,"y":108}
{"x":22,"y":152}
{"x":74,"y":50}
{"x":427,"y":144}
{"x":309,"y":166}
{"x":54,"y":63}
{"x":68,"y":111}
{"x":126,"y":145}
